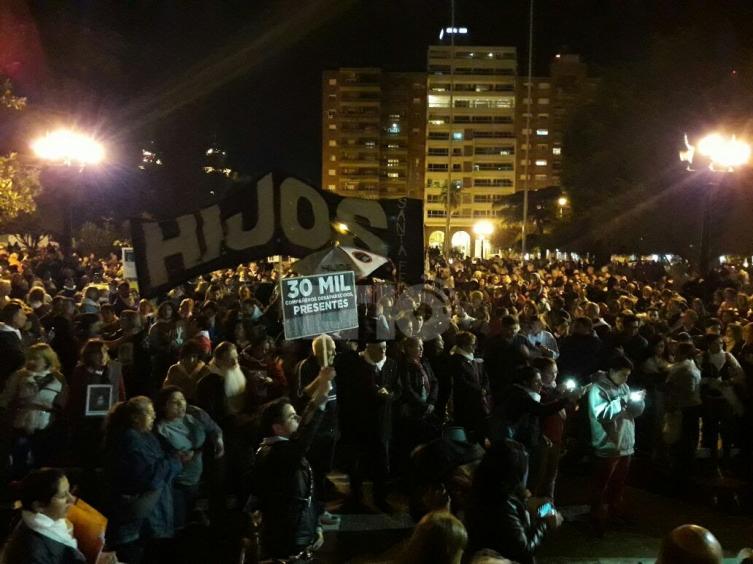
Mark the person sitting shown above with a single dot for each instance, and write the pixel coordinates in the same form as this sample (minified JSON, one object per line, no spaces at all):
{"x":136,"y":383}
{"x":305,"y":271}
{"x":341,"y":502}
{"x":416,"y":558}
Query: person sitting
{"x":283,"y":479}
{"x":497,"y":516}
{"x":44,"y":535}
{"x":439,"y":538}
{"x":690,"y":544}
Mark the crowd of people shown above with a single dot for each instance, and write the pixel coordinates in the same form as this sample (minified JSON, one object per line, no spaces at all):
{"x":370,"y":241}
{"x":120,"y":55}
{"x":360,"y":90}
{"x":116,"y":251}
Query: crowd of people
{"x":466,"y":393}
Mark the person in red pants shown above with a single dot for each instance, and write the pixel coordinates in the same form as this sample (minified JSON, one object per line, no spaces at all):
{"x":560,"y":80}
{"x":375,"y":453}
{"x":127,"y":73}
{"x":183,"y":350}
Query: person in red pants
{"x":612,"y":409}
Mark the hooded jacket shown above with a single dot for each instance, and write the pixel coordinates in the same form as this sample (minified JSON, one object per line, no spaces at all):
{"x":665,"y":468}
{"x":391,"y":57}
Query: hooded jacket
{"x":612,"y":415}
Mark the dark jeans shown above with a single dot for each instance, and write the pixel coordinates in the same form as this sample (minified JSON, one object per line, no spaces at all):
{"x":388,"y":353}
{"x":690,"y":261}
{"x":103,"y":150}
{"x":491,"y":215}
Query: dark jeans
{"x":184,"y":498}
{"x":718,"y":421}
{"x":545,"y":469}
{"x":321,"y":457}
{"x":368,"y":460}
{"x":608,"y":486}
{"x":687,"y":445}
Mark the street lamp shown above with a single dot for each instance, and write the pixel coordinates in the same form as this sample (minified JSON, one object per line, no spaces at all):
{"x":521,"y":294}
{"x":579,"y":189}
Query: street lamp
{"x":483,"y":229}
{"x":562,"y":202}
{"x":722,"y":154}
{"x":67,"y":147}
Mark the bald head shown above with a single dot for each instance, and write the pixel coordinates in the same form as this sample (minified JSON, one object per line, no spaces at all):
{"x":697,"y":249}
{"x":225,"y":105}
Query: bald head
{"x":690,"y":544}
{"x":323,"y":348}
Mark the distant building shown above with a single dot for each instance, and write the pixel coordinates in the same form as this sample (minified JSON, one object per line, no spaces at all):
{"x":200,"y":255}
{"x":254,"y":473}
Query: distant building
{"x":471,"y":138}
{"x":373,"y":133}
{"x":553,"y":98}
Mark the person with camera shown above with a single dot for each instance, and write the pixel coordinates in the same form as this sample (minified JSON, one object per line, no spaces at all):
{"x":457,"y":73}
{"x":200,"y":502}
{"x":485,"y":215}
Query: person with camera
{"x":500,"y":515}
{"x":612,"y":409}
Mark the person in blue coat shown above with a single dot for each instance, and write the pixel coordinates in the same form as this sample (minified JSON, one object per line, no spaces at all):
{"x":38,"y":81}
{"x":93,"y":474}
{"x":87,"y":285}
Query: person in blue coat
{"x":139,"y":475}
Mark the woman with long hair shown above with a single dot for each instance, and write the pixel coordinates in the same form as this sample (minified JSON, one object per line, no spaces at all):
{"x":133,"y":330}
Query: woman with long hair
{"x":34,"y":396}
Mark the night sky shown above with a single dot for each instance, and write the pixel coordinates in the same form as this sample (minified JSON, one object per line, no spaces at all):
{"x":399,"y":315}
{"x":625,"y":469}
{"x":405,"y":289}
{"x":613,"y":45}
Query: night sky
{"x":248,"y":72}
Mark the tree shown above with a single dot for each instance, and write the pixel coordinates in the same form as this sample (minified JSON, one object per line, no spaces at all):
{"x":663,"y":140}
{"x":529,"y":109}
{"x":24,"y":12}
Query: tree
{"x":100,"y":240}
{"x":455,"y":198}
{"x":542,"y":208}
{"x":19,"y":182}
{"x":8,"y":100}
{"x":19,"y":186}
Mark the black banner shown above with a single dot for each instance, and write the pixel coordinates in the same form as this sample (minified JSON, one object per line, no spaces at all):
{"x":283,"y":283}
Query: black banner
{"x":275,"y":215}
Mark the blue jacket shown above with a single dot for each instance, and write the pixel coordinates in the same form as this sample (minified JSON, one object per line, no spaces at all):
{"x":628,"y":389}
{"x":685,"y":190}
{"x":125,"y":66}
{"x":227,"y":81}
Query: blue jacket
{"x":139,"y":475}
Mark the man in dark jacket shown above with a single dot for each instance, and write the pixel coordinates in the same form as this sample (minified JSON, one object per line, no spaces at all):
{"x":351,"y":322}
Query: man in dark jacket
{"x":580,"y":352}
{"x":12,"y":320}
{"x":470,"y":388}
{"x":504,"y":354}
{"x":283,"y":479}
{"x":517,"y":416}
{"x":367,"y":387}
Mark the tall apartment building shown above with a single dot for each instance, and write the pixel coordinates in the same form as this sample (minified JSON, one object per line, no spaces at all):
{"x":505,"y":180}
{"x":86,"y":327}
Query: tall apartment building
{"x":373,"y":133}
{"x":552,"y":99}
{"x":470,"y":137}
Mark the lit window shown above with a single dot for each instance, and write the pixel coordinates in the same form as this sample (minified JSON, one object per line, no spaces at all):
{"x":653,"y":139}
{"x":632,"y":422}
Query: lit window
{"x":544,"y":85}
{"x":458,"y":135}
{"x":330,"y":186}
{"x":540,"y":177}
{"x":394,"y":128}
{"x":333,"y":157}
{"x":393,"y":175}
{"x":332,"y":172}
{"x":543,"y":101}
{"x":542,"y":132}
{"x":332,"y":143}
{"x":556,"y":150}
{"x":332,"y":81}
{"x":370,"y":144}
{"x":540,"y":162}
{"x":391,"y":163}
{"x":332,"y":126}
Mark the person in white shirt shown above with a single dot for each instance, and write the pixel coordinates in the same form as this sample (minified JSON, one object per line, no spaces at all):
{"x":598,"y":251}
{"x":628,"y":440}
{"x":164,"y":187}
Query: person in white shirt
{"x":683,"y":399}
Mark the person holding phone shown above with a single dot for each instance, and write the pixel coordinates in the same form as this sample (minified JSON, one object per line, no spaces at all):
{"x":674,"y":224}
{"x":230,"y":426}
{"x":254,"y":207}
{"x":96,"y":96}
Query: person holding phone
{"x":612,"y":409}
{"x":499,"y":515}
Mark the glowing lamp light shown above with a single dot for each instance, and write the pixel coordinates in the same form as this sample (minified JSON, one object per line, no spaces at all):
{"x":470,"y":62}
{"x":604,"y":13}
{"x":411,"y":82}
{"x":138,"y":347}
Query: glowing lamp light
{"x":68,"y":147}
{"x":483,"y":229}
{"x":725,"y":154}
{"x":340,"y":227}
{"x":562,"y":201}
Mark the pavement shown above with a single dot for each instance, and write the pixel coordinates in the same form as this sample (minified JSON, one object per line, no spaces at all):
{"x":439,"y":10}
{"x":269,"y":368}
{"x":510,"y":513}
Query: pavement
{"x":376,"y":538}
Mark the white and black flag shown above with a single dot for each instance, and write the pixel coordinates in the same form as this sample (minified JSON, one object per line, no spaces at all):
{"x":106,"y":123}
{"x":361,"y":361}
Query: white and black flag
{"x":274,"y":215}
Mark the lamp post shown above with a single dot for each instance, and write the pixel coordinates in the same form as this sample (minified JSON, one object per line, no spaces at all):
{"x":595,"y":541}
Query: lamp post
{"x":483,"y":229}
{"x":562,"y":201}
{"x":68,"y":148}
{"x":722,"y":154}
